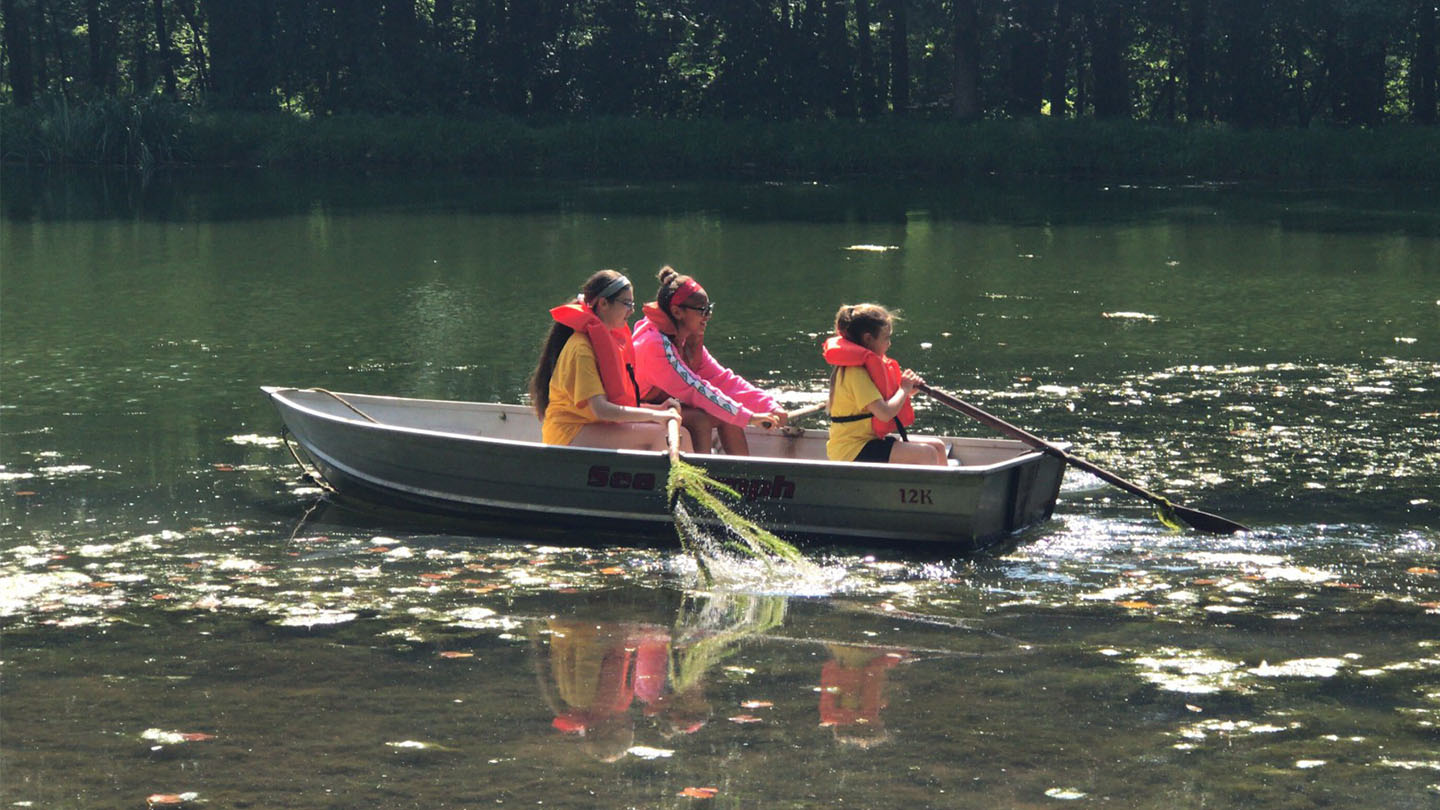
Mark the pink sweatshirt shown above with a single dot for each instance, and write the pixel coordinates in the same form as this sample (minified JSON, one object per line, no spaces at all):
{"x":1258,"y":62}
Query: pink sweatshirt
{"x":712,"y":388}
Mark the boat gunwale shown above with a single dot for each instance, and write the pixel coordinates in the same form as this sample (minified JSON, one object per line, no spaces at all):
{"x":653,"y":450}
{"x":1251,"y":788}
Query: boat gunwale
{"x":277,"y":393}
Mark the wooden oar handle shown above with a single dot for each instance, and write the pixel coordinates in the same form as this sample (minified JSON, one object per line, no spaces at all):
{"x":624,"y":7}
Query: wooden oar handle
{"x":672,"y":438}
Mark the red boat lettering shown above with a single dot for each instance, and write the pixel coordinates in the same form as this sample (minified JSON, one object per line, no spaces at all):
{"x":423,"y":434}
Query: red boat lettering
{"x":601,"y":475}
{"x":916,"y":496}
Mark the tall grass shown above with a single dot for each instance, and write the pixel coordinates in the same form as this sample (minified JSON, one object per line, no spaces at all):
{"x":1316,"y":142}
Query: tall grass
{"x":151,"y":133}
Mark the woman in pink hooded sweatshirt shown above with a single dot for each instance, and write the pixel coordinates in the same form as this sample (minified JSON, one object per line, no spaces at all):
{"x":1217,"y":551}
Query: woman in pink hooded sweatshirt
{"x":671,"y":361}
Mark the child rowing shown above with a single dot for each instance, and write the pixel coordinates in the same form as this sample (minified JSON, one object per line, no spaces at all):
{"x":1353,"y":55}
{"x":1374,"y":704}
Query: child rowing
{"x":870,"y":394}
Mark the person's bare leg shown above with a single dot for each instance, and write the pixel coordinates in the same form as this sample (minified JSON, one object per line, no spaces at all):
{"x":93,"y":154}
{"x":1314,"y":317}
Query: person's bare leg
{"x":732,"y":439}
{"x":701,"y":427}
{"x":918,"y":451}
{"x":628,"y":436}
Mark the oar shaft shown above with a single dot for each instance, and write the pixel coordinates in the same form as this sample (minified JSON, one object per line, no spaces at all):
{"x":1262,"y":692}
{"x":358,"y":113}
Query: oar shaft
{"x":1196,"y":518}
{"x":672,"y":438}
{"x":805,"y":411}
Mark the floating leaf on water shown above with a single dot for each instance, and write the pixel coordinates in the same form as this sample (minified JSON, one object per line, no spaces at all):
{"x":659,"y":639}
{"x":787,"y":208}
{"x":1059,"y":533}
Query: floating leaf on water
{"x":1300,"y":668}
{"x":417,"y":745}
{"x":170,"y":799}
{"x":699,"y":792}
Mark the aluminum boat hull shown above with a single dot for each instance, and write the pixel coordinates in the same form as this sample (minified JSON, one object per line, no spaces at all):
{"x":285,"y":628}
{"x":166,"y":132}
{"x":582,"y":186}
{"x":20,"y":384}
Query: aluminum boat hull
{"x":485,"y":460}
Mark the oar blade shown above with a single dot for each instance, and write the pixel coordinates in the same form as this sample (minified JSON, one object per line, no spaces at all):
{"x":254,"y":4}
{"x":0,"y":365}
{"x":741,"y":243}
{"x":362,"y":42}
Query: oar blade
{"x":1206,"y":522}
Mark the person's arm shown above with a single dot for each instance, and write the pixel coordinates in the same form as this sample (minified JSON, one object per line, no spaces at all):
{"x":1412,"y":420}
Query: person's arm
{"x":668,"y":372}
{"x":886,"y":409}
{"x":734,"y":386}
{"x":608,"y":411}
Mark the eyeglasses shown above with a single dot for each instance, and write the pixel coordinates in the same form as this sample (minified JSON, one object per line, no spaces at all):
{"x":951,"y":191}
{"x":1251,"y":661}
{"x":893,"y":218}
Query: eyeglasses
{"x":627,"y":304}
{"x":708,"y":309}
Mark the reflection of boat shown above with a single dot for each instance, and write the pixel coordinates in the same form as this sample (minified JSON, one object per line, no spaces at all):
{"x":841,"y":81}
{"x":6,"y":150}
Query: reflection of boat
{"x":467,"y":459}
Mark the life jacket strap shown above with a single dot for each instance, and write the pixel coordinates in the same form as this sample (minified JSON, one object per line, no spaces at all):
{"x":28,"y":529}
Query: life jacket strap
{"x":899,"y":427}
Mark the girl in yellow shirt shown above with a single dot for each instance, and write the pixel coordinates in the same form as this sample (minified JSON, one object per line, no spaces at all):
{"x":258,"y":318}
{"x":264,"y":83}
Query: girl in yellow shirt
{"x":861,"y":414}
{"x":583,"y":387}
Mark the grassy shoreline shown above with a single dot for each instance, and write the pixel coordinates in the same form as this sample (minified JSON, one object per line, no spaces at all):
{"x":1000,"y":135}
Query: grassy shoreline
{"x":149,"y":135}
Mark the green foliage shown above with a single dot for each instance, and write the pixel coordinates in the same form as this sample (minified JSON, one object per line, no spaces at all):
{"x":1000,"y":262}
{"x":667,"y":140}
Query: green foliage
{"x":740,"y":534}
{"x":155,"y":133}
{"x":1273,"y":63}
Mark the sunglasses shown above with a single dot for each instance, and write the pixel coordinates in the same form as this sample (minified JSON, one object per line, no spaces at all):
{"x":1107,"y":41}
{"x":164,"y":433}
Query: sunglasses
{"x":708,"y":309}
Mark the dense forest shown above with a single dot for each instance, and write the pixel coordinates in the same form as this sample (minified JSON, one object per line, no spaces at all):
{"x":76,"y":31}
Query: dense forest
{"x":1246,"y":63}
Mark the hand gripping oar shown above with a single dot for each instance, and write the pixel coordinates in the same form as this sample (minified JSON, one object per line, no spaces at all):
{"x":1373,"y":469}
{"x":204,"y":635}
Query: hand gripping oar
{"x":1203,"y":521}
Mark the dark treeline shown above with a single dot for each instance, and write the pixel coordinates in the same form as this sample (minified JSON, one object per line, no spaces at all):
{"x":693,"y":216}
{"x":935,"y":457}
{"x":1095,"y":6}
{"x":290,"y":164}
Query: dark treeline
{"x":1249,"y":63}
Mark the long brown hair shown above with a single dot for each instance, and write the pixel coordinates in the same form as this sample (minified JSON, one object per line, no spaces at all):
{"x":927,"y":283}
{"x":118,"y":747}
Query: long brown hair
{"x":559,"y":333}
{"x":853,"y":322}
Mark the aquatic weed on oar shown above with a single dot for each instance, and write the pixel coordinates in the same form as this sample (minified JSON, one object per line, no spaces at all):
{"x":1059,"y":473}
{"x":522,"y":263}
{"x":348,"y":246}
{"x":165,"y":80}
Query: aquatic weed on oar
{"x":742,"y":534}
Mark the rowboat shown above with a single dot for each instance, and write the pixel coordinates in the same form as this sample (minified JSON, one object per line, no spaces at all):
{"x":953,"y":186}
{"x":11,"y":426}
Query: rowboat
{"x":485,"y":461}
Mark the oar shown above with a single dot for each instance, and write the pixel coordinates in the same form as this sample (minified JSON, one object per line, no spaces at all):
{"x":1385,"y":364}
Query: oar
{"x":816,"y":407}
{"x":791,"y":416}
{"x":1203,"y":521}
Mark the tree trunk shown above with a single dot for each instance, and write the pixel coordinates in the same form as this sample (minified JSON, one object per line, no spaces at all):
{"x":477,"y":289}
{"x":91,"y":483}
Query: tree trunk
{"x":865,"y":62}
{"x":1107,"y":47}
{"x":167,"y":62}
{"x":899,"y":57}
{"x":1423,"y":87}
{"x":18,"y":55}
{"x":241,"y":45}
{"x":1026,"y":56}
{"x":1058,"y":88}
{"x":837,"y":63}
{"x":1197,"y":61}
{"x":96,"y":24}
{"x":965,"y":104}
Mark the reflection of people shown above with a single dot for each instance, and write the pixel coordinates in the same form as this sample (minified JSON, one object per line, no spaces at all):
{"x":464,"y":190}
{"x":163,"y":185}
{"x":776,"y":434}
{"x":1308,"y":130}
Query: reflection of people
{"x":583,"y":387}
{"x":870,"y":394}
{"x":671,"y":361}
{"x":852,"y":693}
{"x":593,"y":676}
{"x":596,"y":672}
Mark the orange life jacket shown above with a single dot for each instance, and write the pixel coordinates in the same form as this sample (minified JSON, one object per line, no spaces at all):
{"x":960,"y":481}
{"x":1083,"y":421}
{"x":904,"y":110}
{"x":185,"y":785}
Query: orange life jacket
{"x":614,"y":354}
{"x":883,"y":371}
{"x":660,"y":318}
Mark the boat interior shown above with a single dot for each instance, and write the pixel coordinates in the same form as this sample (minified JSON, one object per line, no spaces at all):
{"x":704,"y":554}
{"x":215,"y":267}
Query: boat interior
{"x":802,"y":441}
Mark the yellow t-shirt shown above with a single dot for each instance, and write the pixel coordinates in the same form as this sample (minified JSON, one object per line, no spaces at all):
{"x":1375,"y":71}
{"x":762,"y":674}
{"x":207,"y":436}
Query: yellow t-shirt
{"x":853,"y":391}
{"x":575,"y":381}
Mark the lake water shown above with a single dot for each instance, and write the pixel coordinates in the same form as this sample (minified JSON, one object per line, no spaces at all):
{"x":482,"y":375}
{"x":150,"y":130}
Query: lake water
{"x":185,"y":617}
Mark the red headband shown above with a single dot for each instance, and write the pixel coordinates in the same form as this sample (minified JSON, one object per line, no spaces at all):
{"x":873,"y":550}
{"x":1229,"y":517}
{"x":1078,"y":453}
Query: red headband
{"x":686,"y":289}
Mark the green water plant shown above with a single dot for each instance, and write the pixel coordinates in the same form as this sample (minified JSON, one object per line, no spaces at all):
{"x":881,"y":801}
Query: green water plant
{"x":690,"y":484}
